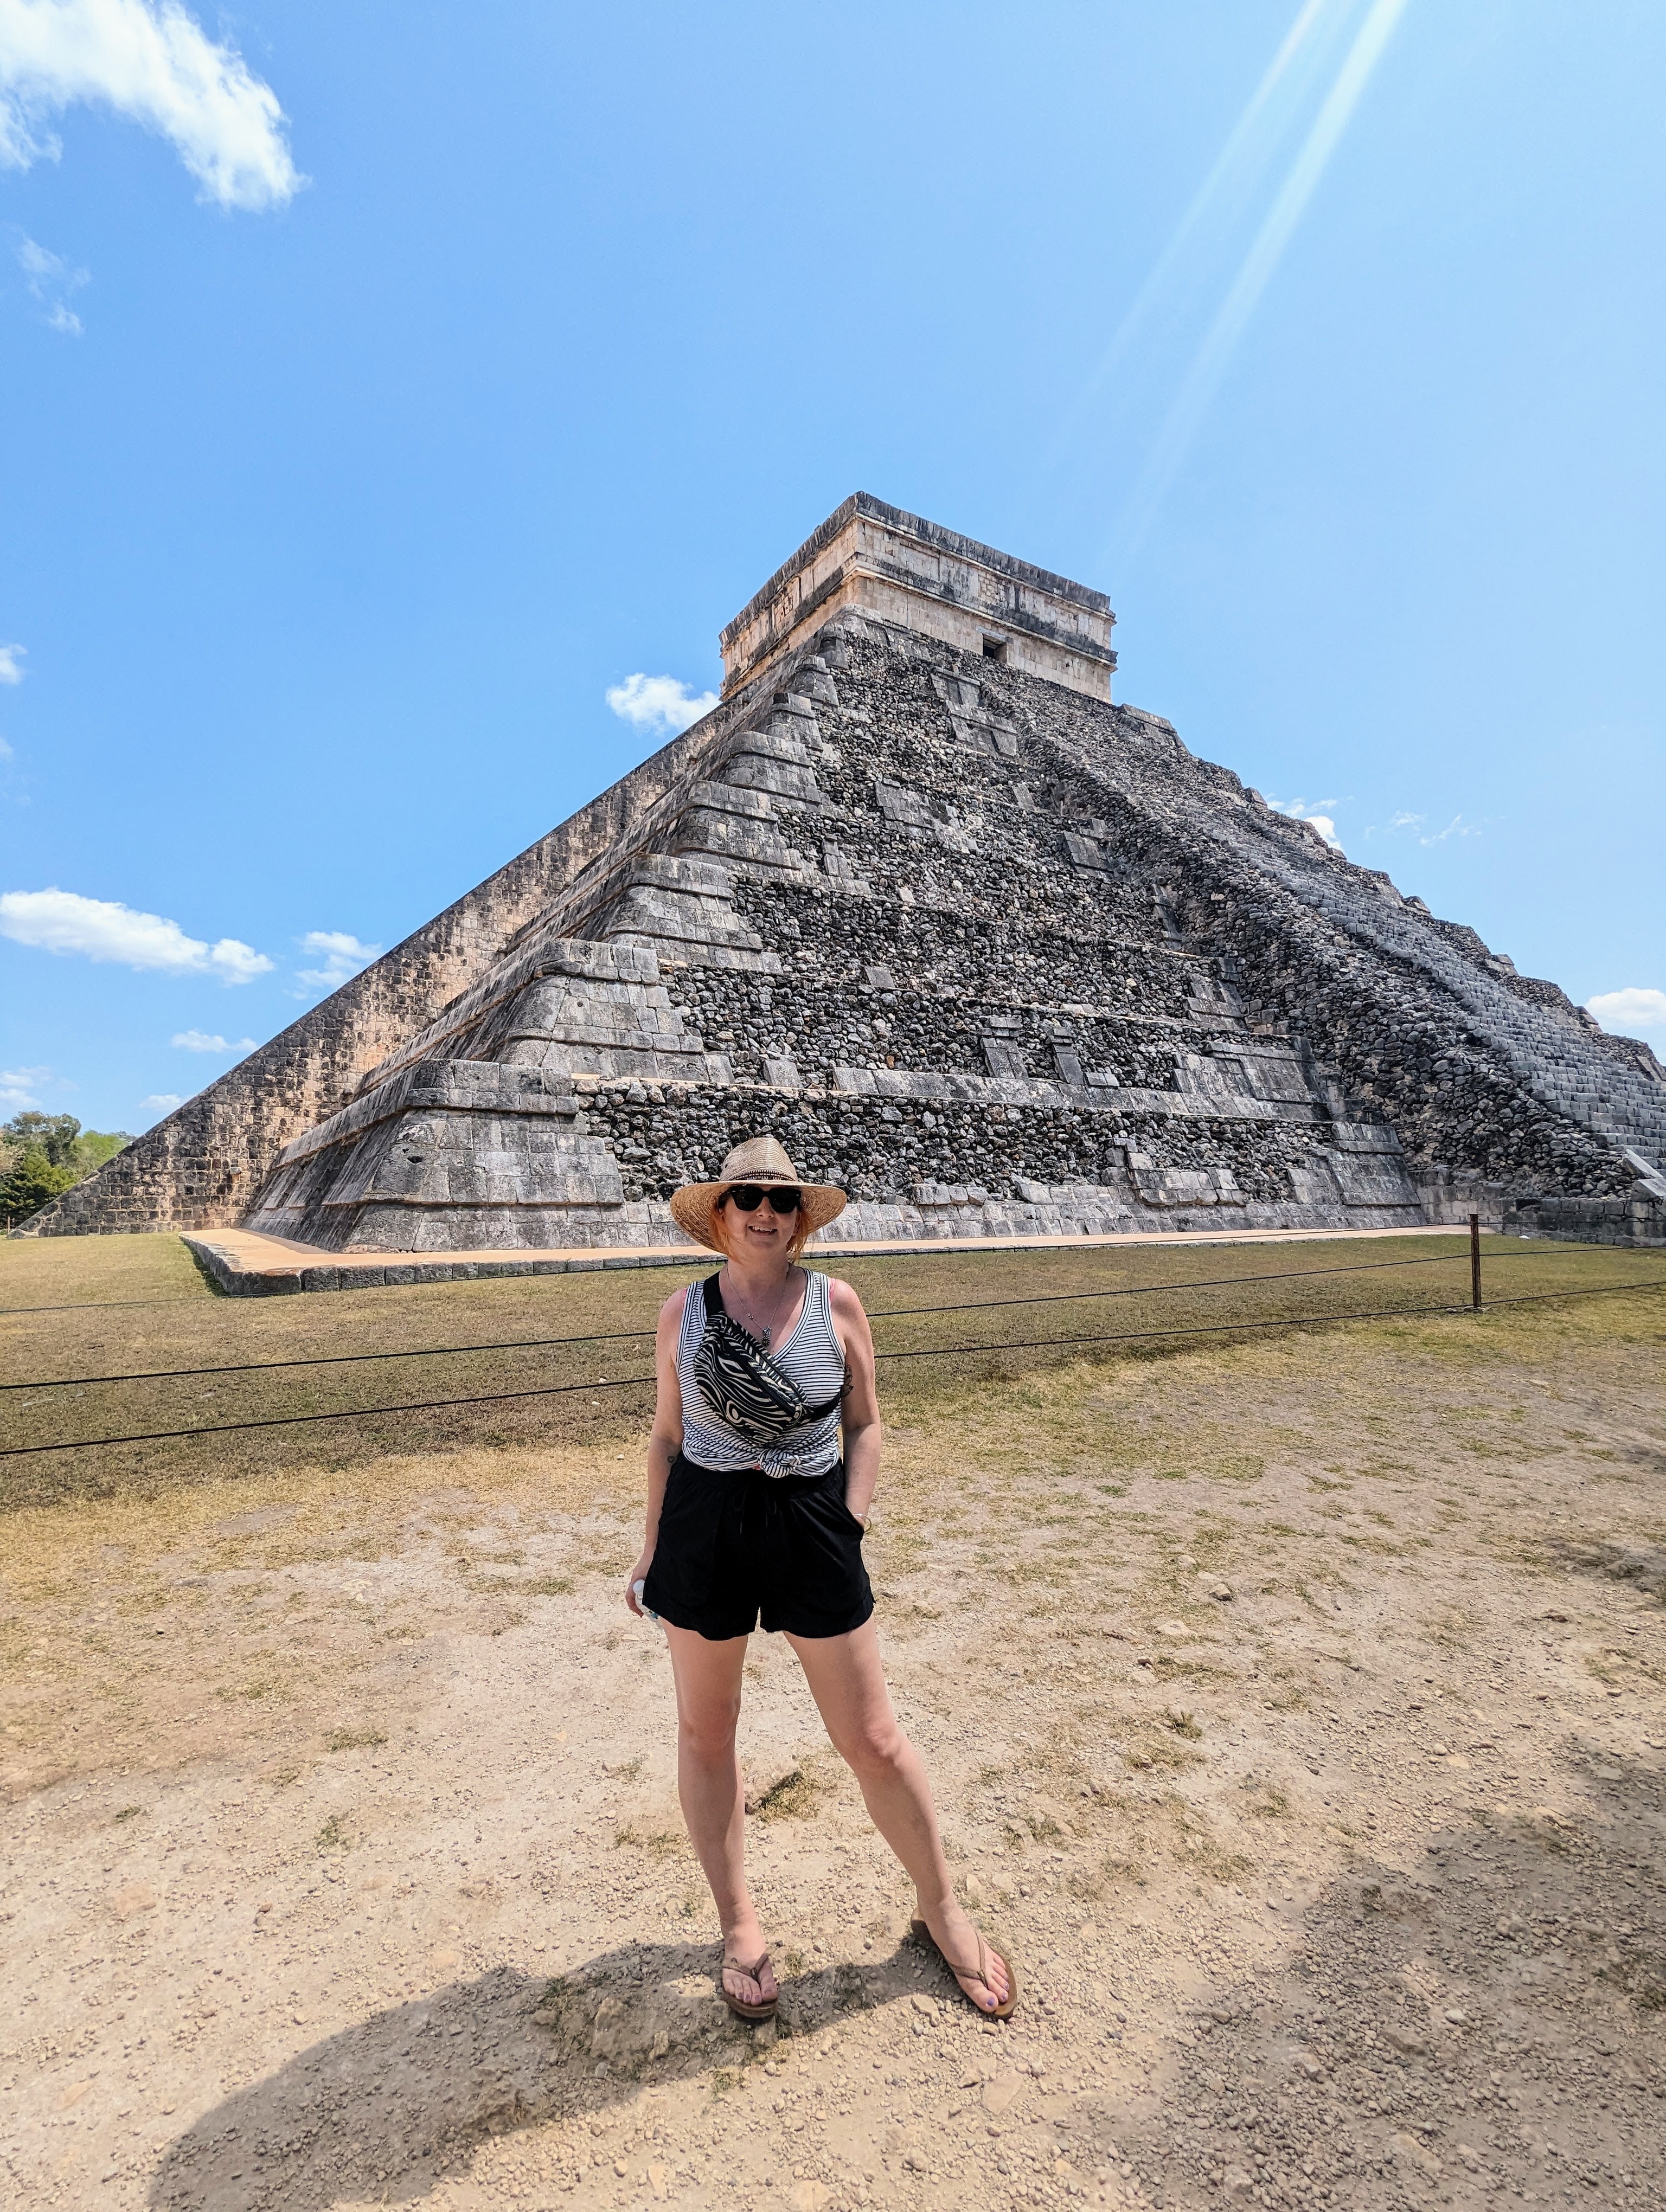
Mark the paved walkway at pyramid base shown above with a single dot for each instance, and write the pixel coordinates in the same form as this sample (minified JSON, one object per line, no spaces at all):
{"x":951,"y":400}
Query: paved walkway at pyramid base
{"x":246,"y":1264}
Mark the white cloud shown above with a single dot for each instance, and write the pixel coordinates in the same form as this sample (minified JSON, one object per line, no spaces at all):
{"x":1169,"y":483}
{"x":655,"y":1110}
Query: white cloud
{"x":6,"y":752}
{"x":9,"y":657}
{"x":103,"y":929}
{"x":234,"y":962}
{"x":199,"y":1040}
{"x":1631,"y":1012}
{"x":659,"y":703}
{"x":19,"y":1087}
{"x":50,"y":279}
{"x":1313,"y":810}
{"x":343,"y":955}
{"x":151,"y":62}
{"x":1405,"y":819}
{"x":160,"y":1102}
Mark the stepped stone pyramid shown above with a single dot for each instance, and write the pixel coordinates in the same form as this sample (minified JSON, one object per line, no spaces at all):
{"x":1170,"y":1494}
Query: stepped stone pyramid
{"x":1000,"y":956}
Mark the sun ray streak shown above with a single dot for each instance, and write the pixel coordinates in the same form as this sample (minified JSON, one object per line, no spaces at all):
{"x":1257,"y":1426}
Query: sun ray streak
{"x":1250,"y":146}
{"x":1202,"y":379}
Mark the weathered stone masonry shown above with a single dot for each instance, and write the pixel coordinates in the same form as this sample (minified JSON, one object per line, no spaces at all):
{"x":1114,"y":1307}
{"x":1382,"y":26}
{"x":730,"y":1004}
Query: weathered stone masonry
{"x":998,"y":955}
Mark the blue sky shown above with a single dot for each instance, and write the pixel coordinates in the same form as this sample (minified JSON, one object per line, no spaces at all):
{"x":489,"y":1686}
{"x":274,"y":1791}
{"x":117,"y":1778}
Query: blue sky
{"x":386,"y":385}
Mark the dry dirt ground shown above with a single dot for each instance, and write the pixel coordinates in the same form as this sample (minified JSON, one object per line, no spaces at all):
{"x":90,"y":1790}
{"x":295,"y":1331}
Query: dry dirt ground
{"x":1295,"y":1708}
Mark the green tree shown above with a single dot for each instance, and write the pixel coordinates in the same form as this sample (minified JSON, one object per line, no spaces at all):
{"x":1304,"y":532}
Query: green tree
{"x":93,"y":1147}
{"x":31,"y":1183}
{"x":43,"y":1155}
{"x":54,"y":1134}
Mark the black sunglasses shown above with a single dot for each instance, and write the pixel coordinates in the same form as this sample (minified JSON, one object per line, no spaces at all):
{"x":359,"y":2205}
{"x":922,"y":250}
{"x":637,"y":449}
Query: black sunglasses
{"x":749,"y":1196}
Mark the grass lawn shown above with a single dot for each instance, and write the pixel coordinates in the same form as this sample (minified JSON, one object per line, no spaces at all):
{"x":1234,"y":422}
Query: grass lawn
{"x":127,"y":1306}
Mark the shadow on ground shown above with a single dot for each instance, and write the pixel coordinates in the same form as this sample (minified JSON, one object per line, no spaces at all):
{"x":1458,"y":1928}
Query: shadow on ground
{"x":1492,"y":2023}
{"x":387,"y":2107}
{"x":1487,"y":2027}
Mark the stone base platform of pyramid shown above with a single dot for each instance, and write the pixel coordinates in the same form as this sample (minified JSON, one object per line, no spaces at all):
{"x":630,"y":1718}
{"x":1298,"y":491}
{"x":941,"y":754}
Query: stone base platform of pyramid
{"x":997,"y":955}
{"x":246,"y":1263}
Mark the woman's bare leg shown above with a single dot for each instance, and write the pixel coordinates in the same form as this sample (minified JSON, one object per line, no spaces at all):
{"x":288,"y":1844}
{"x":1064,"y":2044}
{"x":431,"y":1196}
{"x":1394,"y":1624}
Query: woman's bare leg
{"x":848,"y":1682}
{"x":712,"y":1793}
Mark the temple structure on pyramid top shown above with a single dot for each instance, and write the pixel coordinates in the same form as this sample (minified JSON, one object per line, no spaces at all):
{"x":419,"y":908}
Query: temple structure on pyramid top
{"x":912,"y":576}
{"x":999,"y":955}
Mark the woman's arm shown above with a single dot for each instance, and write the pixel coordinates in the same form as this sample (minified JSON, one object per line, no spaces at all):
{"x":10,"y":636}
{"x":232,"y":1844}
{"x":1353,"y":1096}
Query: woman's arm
{"x":666,"y":1440}
{"x":862,"y":1431}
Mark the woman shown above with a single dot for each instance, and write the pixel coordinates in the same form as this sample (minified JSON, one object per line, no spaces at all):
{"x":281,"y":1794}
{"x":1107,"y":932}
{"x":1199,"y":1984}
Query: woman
{"x":751,"y":1510}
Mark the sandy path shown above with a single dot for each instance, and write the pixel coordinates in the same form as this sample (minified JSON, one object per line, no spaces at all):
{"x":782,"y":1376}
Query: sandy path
{"x":344,"y":1868}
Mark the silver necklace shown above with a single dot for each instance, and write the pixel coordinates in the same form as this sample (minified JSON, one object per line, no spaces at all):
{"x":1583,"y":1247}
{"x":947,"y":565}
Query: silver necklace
{"x":764,"y":1334}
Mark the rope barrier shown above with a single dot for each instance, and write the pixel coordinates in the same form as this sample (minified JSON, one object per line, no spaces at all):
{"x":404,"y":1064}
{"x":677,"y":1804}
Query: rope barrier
{"x":1300,"y":1320}
{"x":630,"y":1336}
{"x":346,"y":1413}
{"x":334,"y":1359}
{"x":101,"y":1306}
{"x":936,"y":1352}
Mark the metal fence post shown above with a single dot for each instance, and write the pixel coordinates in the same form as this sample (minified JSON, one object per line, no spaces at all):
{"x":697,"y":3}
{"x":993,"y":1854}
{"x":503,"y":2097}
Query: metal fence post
{"x":1474,"y":1261}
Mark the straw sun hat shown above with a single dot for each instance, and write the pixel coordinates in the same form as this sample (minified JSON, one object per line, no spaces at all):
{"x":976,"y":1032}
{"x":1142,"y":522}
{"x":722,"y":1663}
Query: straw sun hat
{"x":759,"y":1160}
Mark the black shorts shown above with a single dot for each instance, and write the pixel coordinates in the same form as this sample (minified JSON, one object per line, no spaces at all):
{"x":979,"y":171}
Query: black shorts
{"x":731,"y":1546}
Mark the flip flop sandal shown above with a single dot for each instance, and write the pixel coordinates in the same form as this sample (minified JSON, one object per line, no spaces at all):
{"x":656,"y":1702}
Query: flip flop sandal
{"x":738,"y":2006}
{"x":921,"y":1934}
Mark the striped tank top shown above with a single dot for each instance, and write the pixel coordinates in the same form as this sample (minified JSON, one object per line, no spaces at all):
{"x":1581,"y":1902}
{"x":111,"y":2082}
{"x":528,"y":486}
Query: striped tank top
{"x":809,"y":1352}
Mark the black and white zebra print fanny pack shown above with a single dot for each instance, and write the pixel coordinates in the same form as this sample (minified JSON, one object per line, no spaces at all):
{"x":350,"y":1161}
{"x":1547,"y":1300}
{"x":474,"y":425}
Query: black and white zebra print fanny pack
{"x":746,"y":1389}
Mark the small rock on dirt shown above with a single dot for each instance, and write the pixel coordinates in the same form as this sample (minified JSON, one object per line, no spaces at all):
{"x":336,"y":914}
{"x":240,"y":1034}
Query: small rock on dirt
{"x":1404,"y":2041}
{"x":1414,"y":2153}
{"x":1045,"y":1818}
{"x":1000,"y":2091}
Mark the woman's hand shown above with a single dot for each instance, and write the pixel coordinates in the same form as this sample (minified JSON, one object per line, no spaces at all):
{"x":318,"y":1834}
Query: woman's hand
{"x":861,"y":1417}
{"x":637,"y":1573}
{"x":664,"y":1440}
